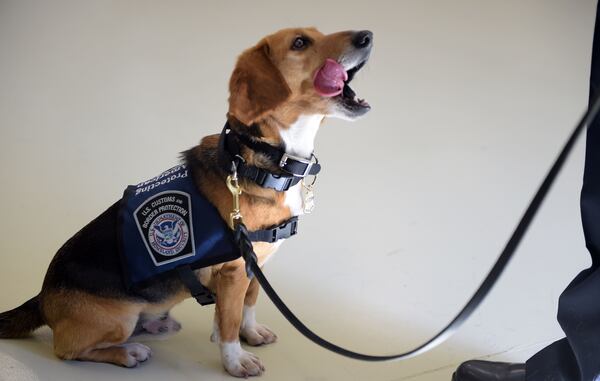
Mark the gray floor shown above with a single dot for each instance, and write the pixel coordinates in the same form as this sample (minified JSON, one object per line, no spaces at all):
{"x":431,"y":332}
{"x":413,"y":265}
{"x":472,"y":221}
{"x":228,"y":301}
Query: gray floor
{"x":471,"y":101}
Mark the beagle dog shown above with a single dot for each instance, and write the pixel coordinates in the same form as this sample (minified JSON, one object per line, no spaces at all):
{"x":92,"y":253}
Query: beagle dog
{"x":280,"y":91}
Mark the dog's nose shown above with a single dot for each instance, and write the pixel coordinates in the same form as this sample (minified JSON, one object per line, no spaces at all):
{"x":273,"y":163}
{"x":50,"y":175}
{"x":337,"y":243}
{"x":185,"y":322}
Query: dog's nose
{"x":362,"y":39}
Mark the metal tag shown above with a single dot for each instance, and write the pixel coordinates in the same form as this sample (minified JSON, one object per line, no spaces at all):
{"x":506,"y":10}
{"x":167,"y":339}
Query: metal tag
{"x":308,"y":198}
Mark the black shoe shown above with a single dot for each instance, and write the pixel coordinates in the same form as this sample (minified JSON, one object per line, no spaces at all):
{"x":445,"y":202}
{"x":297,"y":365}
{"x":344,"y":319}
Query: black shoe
{"x":489,"y":371}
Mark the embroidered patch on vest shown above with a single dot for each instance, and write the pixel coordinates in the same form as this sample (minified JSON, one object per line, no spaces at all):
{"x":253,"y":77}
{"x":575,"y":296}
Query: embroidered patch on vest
{"x":165,"y":223}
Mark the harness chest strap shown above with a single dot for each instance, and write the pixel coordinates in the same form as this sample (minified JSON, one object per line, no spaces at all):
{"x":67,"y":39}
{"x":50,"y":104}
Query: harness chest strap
{"x":285,"y":230}
{"x":203,"y":295}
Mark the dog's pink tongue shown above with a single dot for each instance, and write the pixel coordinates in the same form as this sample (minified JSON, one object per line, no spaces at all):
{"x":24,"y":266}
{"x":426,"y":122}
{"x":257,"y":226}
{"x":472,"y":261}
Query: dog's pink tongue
{"x":329,"y":79}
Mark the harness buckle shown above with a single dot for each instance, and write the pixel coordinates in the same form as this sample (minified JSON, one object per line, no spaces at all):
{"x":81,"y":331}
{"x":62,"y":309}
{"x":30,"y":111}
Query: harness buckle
{"x":290,"y":228}
{"x":201,"y":293}
{"x":308,"y":162}
{"x":280,"y":183}
{"x":204,"y":298}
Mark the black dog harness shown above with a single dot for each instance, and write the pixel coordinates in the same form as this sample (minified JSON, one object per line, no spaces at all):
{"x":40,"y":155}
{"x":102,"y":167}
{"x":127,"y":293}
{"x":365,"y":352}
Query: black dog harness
{"x":166,"y":225}
{"x":288,"y":171}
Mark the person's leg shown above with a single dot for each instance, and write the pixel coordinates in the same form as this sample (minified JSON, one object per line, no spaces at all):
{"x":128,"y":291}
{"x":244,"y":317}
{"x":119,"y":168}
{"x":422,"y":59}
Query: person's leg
{"x":576,"y":357}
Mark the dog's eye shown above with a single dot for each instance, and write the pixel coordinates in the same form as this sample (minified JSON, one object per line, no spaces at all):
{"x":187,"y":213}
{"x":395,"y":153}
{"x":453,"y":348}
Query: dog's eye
{"x":300,"y":43}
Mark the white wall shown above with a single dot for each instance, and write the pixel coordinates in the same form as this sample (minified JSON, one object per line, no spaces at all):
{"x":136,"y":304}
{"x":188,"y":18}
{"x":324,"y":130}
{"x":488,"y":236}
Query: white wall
{"x":471,"y":101}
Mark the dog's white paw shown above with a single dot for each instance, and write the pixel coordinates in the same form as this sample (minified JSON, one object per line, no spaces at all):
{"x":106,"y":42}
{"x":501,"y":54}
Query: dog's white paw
{"x":258,"y":334}
{"x":252,"y":332}
{"x":238,"y":362}
{"x":136,"y":353}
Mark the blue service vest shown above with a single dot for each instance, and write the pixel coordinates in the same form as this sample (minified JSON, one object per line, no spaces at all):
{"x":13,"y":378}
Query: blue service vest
{"x":165,"y":222}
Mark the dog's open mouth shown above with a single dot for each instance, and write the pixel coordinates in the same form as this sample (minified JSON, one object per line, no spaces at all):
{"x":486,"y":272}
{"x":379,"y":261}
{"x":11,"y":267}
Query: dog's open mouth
{"x":348,"y":96}
{"x":331,"y":80}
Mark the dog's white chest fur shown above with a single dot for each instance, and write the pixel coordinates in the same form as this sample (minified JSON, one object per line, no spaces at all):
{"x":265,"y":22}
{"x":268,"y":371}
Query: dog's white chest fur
{"x":299,"y":140}
{"x":294,"y":200}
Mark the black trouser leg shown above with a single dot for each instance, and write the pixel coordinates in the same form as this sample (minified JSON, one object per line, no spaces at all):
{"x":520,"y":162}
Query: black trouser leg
{"x":577,"y":357}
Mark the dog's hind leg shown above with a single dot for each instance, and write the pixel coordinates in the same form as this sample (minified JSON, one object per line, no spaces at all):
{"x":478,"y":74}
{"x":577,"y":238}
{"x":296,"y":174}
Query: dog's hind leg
{"x":90,"y":328}
{"x":128,"y":354}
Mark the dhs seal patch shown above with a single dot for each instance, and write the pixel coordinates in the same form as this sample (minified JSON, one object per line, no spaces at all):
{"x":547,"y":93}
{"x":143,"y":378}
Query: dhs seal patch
{"x":168,"y":234}
{"x":165,"y":224}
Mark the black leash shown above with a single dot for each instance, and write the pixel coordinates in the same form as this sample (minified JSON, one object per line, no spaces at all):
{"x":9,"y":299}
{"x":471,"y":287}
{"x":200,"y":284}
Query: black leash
{"x":252,"y":268}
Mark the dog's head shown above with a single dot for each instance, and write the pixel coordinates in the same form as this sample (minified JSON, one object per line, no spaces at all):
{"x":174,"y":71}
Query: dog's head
{"x":299,"y":71}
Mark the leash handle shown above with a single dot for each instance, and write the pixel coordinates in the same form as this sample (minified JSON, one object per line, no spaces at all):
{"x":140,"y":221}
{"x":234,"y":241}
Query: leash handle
{"x":490,"y":280}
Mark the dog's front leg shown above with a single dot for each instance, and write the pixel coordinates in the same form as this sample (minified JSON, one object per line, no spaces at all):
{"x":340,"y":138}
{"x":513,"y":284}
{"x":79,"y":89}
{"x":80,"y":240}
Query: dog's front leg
{"x":231,"y":286}
{"x":251,"y":331}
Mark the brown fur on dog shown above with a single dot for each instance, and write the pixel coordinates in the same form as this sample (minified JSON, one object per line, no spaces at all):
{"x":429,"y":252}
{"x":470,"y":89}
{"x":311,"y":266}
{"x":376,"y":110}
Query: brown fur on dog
{"x":256,"y":85}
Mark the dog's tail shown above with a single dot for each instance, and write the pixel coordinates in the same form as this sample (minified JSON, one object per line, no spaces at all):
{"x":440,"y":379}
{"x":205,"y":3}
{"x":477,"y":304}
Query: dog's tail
{"x":21,"y":321}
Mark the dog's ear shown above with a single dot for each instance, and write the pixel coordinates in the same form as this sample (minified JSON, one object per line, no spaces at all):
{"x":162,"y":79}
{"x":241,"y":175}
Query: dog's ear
{"x":256,"y":85}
